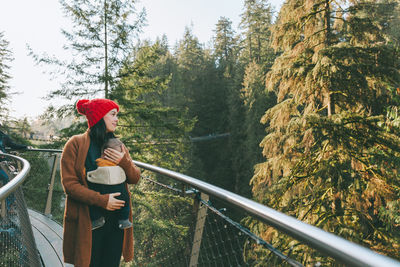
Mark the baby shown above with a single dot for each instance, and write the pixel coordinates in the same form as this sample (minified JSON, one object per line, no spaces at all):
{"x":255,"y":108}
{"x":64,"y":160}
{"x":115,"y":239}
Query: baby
{"x":109,"y":178}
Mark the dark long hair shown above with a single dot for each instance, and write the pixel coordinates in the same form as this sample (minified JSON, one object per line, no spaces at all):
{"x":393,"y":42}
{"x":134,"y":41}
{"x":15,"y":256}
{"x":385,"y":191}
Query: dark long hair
{"x":98,"y":133}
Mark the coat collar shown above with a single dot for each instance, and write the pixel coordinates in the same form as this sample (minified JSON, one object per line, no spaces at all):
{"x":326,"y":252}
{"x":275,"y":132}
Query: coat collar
{"x":82,"y":153}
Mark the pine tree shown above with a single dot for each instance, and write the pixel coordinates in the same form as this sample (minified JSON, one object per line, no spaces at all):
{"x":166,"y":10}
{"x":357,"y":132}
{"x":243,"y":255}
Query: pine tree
{"x":100,"y":40}
{"x":255,"y":60}
{"x":196,"y":80}
{"x":256,"y":101}
{"x":225,"y":44}
{"x":5,"y":59}
{"x":332,"y":153}
{"x":160,"y":131}
{"x":190,"y":58}
{"x":23,"y":127}
{"x":256,"y":22}
{"x":155,"y":129}
{"x":230,"y":75}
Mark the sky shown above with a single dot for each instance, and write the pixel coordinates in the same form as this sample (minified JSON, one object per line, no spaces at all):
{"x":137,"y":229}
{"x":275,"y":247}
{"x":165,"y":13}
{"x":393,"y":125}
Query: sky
{"x":26,"y":22}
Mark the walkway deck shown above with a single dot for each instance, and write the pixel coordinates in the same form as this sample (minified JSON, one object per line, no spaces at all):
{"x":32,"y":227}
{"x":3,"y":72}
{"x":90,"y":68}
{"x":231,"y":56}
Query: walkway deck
{"x":48,"y":235}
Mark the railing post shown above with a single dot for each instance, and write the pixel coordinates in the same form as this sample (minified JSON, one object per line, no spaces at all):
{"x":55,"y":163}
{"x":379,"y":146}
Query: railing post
{"x":183,"y":188}
{"x":3,"y":202}
{"x":47,"y":210}
{"x":198,"y":231}
{"x":3,"y":209}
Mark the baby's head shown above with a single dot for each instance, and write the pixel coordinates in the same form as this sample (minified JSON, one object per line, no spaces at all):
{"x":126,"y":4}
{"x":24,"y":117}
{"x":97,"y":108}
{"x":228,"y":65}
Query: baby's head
{"x":114,"y":143}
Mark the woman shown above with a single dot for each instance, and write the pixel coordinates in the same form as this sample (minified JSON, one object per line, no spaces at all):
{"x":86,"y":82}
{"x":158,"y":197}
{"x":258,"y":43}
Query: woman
{"x":103,"y":246}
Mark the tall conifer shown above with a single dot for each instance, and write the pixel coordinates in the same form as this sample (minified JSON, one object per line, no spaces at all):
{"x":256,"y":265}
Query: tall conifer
{"x":5,"y":59}
{"x":256,"y":101}
{"x":331,"y":158}
{"x":206,"y":102}
{"x":160,"y":130}
{"x":248,"y":99}
{"x":100,"y":39}
{"x":155,"y":129}
{"x":256,"y":22}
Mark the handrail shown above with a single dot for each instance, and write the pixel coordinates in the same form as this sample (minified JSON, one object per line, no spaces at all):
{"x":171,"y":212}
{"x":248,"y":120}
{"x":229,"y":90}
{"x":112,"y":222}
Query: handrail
{"x":44,"y":150}
{"x":336,"y":247}
{"x":13,"y":184}
{"x":330,"y":244}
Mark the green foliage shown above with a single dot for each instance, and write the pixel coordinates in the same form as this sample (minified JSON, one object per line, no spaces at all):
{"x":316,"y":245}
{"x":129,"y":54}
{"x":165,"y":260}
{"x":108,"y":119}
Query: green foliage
{"x":36,"y":185}
{"x":155,"y":130}
{"x":327,"y":151}
{"x":203,"y":79}
{"x":225,"y":46}
{"x":100,"y":39}
{"x":256,"y":101}
{"x":247,"y":99}
{"x":9,"y":253}
{"x":5,"y":59}
{"x":256,"y":22}
{"x":162,"y":225}
{"x":332,"y":147}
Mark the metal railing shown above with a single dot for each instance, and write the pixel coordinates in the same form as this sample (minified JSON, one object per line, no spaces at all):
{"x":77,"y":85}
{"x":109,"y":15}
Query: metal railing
{"x":17,"y":244}
{"x":338,"y":248}
{"x":187,"y":229}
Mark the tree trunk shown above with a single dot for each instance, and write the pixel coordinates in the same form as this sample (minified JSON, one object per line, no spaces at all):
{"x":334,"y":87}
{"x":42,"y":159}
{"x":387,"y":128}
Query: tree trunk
{"x":105,"y":52}
{"x":329,"y":95}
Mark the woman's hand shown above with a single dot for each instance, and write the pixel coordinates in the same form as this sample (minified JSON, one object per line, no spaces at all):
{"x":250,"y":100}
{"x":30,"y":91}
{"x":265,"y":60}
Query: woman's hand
{"x":114,"y":203}
{"x":114,"y":155}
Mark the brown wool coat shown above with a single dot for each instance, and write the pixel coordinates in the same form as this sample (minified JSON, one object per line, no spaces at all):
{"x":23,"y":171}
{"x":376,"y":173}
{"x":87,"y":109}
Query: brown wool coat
{"x":77,"y":240}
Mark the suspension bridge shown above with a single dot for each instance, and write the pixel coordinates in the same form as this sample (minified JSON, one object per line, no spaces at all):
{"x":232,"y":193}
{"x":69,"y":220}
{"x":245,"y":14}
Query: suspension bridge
{"x":212,"y":233}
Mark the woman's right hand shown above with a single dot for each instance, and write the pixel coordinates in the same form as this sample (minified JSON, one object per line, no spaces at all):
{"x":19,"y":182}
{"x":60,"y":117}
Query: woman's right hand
{"x":114,"y":203}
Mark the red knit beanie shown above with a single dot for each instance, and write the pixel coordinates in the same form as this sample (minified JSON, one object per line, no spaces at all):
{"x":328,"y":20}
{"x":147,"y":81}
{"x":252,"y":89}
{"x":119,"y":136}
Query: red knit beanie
{"x":95,"y":109}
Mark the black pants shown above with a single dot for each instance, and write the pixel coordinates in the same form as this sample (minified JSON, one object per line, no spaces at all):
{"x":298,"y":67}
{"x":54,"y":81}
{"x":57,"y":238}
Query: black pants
{"x":107,"y":243}
{"x":97,"y":212}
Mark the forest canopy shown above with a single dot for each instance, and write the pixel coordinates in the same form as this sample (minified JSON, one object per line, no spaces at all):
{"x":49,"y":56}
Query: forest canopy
{"x":297,"y":109}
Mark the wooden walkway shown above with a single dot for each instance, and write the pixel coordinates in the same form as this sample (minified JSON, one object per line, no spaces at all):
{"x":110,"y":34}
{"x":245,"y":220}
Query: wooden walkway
{"x":48,"y":236}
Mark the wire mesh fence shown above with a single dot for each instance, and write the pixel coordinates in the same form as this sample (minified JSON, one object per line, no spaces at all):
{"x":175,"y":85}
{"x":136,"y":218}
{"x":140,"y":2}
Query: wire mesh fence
{"x":196,"y":233}
{"x":17,"y":244}
{"x":42,"y":188}
{"x":175,"y":224}
{"x":229,"y":243}
{"x":163,"y":219}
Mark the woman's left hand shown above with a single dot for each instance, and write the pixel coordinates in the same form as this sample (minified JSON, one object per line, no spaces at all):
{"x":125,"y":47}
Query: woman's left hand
{"x":113,"y":155}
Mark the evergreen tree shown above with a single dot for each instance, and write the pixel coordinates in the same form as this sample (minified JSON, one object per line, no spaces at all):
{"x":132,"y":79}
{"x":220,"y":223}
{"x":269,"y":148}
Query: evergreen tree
{"x":226,"y":54}
{"x":256,"y":101}
{"x":225,"y":44}
{"x":240,"y":167}
{"x":332,"y":153}
{"x":160,"y":131}
{"x":5,"y":59}
{"x":247,"y":99}
{"x":162,"y":226}
{"x":100,"y":40}
{"x":156,"y":132}
{"x":206,"y":99}
{"x":190,"y":58}
{"x":188,"y":81}
{"x":256,"y":22}
{"x":23,"y":127}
